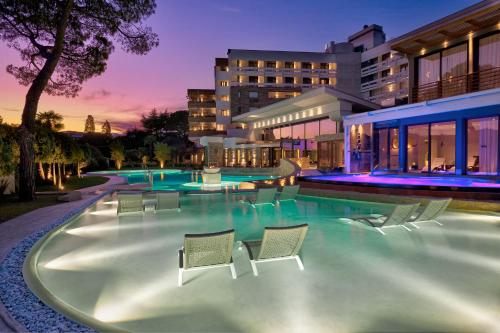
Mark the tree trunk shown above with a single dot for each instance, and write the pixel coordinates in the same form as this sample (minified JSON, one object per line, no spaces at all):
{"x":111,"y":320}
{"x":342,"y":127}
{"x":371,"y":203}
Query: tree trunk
{"x":54,"y":174}
{"x":78,"y":169}
{"x":27,"y":129}
{"x":41,"y":171}
{"x":59,"y":179}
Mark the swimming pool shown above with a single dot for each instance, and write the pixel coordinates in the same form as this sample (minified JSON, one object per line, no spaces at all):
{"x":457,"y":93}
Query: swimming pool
{"x":175,"y":180}
{"x":121,"y":272}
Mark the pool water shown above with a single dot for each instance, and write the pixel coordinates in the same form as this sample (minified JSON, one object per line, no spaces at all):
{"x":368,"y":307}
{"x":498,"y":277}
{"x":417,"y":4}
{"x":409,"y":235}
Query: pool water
{"x":175,"y":180}
{"x":122,"y":271}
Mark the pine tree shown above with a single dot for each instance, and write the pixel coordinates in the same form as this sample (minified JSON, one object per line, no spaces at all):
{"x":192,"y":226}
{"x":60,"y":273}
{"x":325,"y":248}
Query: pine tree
{"x":89,"y":125}
{"x":106,"y":128}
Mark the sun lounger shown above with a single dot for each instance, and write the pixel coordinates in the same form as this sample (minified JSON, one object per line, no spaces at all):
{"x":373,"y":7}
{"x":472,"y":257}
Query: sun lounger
{"x":265,"y":196}
{"x":278,"y":243}
{"x":289,"y":192}
{"x":431,"y":212}
{"x":167,"y":200}
{"x":129,"y":202}
{"x":203,"y":251}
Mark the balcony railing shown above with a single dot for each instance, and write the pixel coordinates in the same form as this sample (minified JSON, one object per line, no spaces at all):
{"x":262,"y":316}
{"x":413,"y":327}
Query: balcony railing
{"x":205,"y":132}
{"x":201,"y":119}
{"x":482,"y":80}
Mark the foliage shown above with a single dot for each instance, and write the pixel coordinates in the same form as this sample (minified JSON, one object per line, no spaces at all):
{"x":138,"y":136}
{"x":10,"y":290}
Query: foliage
{"x":106,"y":128}
{"x":9,"y":151}
{"x":89,"y":125}
{"x":50,"y":119}
{"x":162,"y":153}
{"x":117,"y":153}
{"x":77,"y":35}
{"x":161,"y":124}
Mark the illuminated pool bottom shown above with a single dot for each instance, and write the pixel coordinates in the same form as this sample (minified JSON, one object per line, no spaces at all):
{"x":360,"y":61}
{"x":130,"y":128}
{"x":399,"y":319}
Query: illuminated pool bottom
{"x":121,"y":272}
{"x":411,"y":181}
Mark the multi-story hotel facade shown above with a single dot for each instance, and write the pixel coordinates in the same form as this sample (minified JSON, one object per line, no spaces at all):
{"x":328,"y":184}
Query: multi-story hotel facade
{"x":320,"y":108}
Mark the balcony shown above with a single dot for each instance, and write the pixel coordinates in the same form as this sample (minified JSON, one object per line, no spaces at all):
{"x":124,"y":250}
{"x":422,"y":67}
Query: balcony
{"x":201,"y":119}
{"x":482,"y":80}
{"x":206,"y":132}
{"x":201,"y":104}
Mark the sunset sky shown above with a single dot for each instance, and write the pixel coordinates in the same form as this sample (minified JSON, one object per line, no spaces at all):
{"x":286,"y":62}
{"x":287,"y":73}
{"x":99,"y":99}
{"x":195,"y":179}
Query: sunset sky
{"x":193,"y":32}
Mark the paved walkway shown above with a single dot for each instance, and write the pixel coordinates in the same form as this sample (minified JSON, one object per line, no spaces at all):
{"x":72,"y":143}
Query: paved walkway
{"x":15,"y":230}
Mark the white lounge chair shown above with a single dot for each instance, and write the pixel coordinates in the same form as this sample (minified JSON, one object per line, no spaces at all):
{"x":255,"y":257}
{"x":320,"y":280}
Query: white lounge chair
{"x":431,"y":212}
{"x":203,"y":251}
{"x":167,"y":201}
{"x":400,"y":215}
{"x":130,"y":202}
{"x":289,"y":192}
{"x":278,"y":243}
{"x":265,"y":196}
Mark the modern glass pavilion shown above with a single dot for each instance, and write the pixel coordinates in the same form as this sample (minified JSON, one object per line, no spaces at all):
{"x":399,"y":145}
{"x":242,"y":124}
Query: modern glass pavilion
{"x":454,"y":135}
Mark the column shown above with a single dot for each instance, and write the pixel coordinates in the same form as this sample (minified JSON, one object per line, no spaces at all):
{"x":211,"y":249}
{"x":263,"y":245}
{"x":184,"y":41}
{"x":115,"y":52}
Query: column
{"x":403,"y":148}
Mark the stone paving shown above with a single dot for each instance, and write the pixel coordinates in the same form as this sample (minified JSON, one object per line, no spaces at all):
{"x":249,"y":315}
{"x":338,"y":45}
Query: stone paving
{"x":15,"y":230}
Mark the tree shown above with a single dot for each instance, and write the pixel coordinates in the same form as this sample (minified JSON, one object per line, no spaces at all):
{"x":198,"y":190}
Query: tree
{"x":89,"y":124}
{"x":50,"y":119}
{"x":9,"y":152}
{"x":162,"y":153}
{"x":117,"y":153}
{"x":62,"y":44}
{"x":106,"y":128}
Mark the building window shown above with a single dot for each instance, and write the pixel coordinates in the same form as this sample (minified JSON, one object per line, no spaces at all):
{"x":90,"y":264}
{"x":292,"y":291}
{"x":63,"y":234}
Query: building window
{"x":224,"y":83}
{"x":253,"y":79}
{"x":220,"y":127}
{"x":225,"y":113}
{"x":312,"y":129}
{"x":489,"y":49}
{"x":289,"y":80}
{"x":431,"y":147}
{"x":386,"y":56}
{"x":360,"y":147}
{"x":403,"y":68}
{"x":323,"y":65}
{"x":253,"y":94}
{"x":327,"y":126}
{"x":270,"y":79}
{"x":224,"y":98}
{"x":306,"y":80}
{"x":324,"y":81}
{"x":385,"y":73}
{"x":288,"y":64}
{"x":270,"y":64}
{"x":306,"y":65}
{"x":428,"y":69}
{"x":482,"y":146}
{"x":252,"y":63}
{"x":386,"y":149}
{"x":240,"y":63}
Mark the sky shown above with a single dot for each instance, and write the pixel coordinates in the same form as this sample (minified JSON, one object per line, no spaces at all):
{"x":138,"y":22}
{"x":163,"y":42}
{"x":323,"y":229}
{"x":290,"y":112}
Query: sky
{"x":194,"y":32}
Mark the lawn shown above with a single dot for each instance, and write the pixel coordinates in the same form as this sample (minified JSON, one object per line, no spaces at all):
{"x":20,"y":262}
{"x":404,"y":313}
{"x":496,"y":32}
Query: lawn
{"x":10,"y":207}
{"x":75,"y":183}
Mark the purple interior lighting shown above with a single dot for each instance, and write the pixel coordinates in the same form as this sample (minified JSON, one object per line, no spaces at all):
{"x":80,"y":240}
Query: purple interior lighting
{"x":411,"y":180}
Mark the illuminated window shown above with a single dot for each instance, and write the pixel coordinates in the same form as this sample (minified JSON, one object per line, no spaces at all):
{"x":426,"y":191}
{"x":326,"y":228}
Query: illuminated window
{"x":224,"y":98}
{"x":220,"y":127}
{"x":225,"y":113}
{"x":224,"y":83}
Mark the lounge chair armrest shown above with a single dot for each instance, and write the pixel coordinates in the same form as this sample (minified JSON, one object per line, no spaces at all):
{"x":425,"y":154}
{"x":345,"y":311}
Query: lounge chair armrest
{"x":181,"y":257}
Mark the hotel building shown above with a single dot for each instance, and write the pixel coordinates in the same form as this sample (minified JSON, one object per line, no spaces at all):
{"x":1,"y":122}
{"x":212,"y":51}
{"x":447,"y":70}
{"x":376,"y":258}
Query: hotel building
{"x":322,"y":110}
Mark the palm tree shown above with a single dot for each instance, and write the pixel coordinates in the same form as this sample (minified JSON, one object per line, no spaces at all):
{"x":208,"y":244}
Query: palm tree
{"x":51,"y":120}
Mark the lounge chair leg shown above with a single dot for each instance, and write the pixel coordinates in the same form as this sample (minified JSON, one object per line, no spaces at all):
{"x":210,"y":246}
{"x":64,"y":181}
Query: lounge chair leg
{"x":439,"y":223}
{"x":380,"y":230}
{"x":406,"y":227}
{"x":299,"y":262}
{"x":254,"y":268}
{"x":415,"y":225}
{"x":179,"y":281}
{"x":233,"y":270}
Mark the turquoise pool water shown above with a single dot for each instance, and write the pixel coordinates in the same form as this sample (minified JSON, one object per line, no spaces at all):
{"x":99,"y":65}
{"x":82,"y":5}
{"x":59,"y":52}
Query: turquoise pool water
{"x":121,"y":272}
{"x":175,"y":180}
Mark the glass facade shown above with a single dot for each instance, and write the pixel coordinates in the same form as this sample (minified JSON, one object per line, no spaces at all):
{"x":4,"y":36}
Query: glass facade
{"x":386,"y":149}
{"x":418,"y":148}
{"x":482,"y":146}
{"x":360,"y":148}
